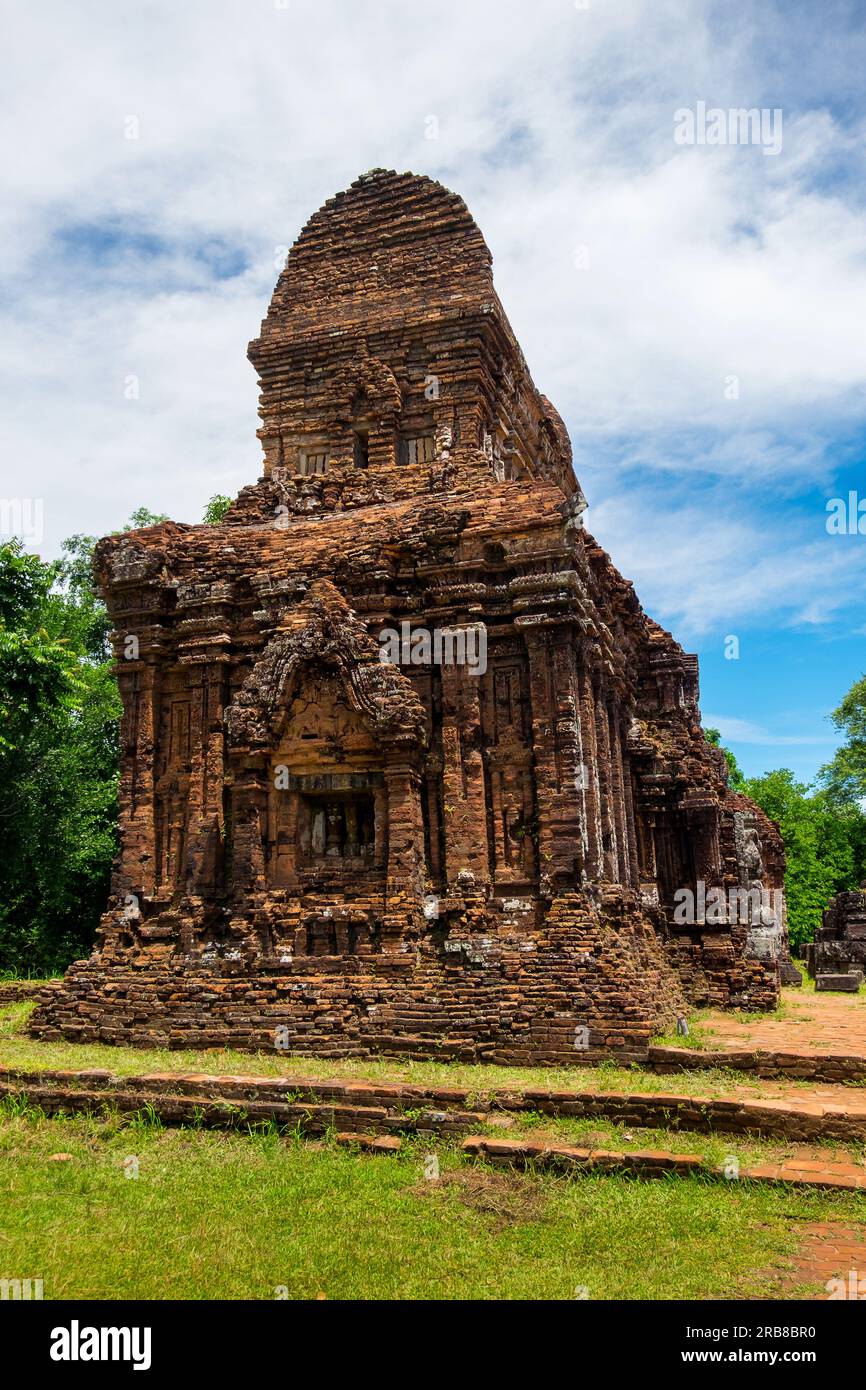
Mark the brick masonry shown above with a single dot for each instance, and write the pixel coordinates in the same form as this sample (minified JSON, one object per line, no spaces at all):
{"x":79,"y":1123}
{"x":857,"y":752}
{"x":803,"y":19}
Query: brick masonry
{"x":370,"y":1107}
{"x":839,"y":948}
{"x":567,"y":1158}
{"x":431,"y":855}
{"x":18,"y":991}
{"x":762,"y":1061}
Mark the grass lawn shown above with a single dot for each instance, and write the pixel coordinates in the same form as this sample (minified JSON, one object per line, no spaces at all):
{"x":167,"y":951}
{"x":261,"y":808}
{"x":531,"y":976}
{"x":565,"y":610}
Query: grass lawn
{"x":228,"y":1215}
{"x":215,"y":1215}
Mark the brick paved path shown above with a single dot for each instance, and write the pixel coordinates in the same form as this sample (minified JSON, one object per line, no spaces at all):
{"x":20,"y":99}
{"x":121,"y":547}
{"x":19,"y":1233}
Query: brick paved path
{"x":812,"y":1023}
{"x":830,"y":1251}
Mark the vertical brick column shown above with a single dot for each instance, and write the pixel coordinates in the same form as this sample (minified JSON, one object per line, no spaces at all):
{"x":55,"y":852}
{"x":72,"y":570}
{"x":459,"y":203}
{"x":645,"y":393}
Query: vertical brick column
{"x":205,"y":803}
{"x":610,"y":863}
{"x":249,"y":820}
{"x":463,"y":782}
{"x":614,"y":725}
{"x":558,"y":762}
{"x":634,"y":867}
{"x":592,"y":793}
{"x":405,"y":874}
{"x":140,"y":691}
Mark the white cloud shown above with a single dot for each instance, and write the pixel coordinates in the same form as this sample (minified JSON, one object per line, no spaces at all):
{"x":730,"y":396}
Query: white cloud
{"x":717,"y":561}
{"x":735,"y":730}
{"x":556,"y":125}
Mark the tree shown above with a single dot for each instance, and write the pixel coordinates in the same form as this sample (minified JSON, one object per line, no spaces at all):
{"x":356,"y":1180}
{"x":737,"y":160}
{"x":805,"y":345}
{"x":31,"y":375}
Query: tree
{"x":59,"y":709}
{"x":59,"y":718}
{"x":36,"y":662}
{"x":142,"y":517}
{"x":824,"y":846}
{"x":824,"y":838}
{"x":216,"y":509}
{"x":845,"y":775}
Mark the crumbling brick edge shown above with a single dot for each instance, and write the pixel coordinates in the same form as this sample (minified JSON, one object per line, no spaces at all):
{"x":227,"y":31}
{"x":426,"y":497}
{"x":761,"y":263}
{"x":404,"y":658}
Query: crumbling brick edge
{"x":315,"y":1106}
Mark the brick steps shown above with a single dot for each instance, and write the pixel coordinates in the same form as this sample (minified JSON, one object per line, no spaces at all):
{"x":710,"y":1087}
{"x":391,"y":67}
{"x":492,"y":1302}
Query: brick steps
{"x":372,"y":1116}
{"x":368,"y":1143}
{"x":516,"y":1153}
{"x":224,"y":1114}
{"x":804,"y":1066}
{"x":379,"y":1107}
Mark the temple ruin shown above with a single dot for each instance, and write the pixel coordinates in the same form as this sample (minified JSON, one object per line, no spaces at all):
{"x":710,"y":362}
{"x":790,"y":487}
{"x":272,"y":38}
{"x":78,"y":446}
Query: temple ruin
{"x":405,"y":766}
{"x":836,"y":959}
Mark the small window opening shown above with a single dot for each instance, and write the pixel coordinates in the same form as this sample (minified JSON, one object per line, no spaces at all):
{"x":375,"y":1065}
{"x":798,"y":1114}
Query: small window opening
{"x":312,"y":461}
{"x":418,"y":448}
{"x":338,"y":829}
{"x":362,"y":448}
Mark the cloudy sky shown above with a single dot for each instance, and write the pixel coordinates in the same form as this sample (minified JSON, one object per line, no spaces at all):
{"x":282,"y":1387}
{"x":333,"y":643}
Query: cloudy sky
{"x":695,"y":310}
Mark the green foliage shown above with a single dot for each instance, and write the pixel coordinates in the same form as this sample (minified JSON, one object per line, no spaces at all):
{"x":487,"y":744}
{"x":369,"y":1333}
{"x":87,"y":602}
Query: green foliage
{"x":845,"y":775}
{"x":59,"y":713}
{"x":142,"y":517}
{"x":216,"y":509}
{"x":825,"y":844}
{"x":823,"y":831}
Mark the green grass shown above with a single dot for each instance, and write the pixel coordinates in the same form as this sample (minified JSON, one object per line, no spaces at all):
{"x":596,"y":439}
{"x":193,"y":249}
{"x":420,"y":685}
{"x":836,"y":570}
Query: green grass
{"x":233,"y":1215}
{"x":13,"y":977}
{"x":18,"y":1050}
{"x":228,"y":1216}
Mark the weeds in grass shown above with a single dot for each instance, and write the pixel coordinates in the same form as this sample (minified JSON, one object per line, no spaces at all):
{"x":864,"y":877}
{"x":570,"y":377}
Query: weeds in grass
{"x":507,"y":1199}
{"x":225,"y":1215}
{"x":20,"y":1107}
{"x":145,"y":1120}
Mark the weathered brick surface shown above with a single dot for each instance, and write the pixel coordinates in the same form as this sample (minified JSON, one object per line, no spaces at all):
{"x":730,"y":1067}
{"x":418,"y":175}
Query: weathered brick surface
{"x":846,"y":1177}
{"x":374,"y":1107}
{"x":17,"y":991}
{"x":839,"y":947}
{"x":420,"y":858}
{"x":799,"y":1066}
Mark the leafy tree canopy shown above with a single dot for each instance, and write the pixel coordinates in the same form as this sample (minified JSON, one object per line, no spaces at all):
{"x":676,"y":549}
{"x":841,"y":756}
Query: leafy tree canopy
{"x":59,"y":713}
{"x":845,"y":775}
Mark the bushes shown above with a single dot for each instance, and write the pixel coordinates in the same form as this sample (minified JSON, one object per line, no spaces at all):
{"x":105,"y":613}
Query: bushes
{"x":59,"y":712}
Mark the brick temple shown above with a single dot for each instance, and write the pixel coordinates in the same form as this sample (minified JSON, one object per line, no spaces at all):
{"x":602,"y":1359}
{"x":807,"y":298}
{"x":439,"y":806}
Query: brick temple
{"x":405,"y":766}
{"x":836,"y":959}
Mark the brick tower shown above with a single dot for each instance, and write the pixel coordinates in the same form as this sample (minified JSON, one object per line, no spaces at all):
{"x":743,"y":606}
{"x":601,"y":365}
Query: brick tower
{"x":405,"y":767}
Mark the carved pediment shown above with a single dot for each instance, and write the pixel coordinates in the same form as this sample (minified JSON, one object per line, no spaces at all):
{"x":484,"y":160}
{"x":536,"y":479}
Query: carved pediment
{"x":323,"y":640}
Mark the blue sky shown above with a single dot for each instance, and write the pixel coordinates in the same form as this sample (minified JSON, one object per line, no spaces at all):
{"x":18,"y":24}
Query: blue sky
{"x":161,"y":158}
